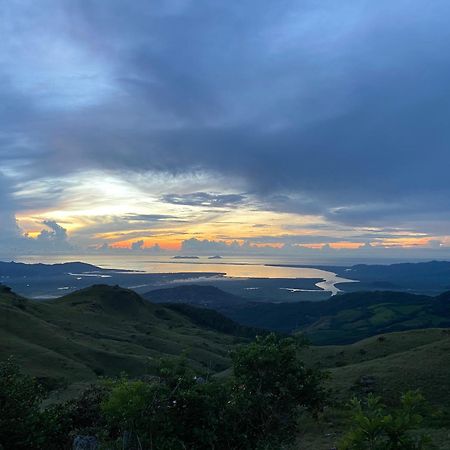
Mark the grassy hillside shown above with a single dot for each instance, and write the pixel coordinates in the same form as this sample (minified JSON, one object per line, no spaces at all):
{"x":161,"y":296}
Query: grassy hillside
{"x":102,"y":330}
{"x":108,"y":330}
{"x":398,"y":361}
{"x":349,"y":317}
{"x":387,"y":365}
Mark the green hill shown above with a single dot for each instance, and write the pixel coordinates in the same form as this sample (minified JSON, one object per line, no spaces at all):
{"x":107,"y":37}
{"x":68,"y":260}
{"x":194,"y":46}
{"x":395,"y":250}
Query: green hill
{"x":417,"y":359}
{"x":387,"y":365}
{"x":349,"y":317}
{"x":104,"y":330}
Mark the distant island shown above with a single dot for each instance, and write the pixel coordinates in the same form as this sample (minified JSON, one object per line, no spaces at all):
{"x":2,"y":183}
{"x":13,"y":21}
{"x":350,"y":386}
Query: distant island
{"x":185,"y":257}
{"x":215,"y":257}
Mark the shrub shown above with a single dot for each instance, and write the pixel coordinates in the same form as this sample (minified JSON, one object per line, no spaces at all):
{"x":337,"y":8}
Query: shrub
{"x":20,"y":399}
{"x":376,"y":427}
{"x":61,"y":422}
{"x":257,"y":407}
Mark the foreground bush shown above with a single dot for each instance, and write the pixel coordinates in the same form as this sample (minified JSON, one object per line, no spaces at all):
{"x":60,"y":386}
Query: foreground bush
{"x":171,"y":412}
{"x":25,"y":425}
{"x":20,"y":400}
{"x":257,"y":407}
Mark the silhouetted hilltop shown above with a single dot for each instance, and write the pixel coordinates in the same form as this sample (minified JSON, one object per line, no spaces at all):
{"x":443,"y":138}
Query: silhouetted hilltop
{"x":108,"y":299}
{"x":206,"y":296}
{"x":214,"y":320}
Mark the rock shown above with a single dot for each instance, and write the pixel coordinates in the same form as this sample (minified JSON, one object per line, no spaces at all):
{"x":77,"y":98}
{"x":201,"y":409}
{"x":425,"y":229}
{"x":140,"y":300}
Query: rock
{"x":130,"y":441}
{"x":85,"y":443}
{"x":200,"y":380}
{"x":367,"y":384}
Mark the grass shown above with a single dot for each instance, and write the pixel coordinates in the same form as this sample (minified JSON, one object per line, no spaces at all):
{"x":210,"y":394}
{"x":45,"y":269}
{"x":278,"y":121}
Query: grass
{"x":417,"y":359}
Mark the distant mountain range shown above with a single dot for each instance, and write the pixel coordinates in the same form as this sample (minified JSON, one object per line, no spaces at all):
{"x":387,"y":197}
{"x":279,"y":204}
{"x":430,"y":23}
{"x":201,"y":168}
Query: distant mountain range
{"x":53,"y":280}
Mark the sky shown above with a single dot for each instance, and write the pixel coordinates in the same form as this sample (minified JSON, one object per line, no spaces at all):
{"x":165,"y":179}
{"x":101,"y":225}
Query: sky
{"x":202,"y":126}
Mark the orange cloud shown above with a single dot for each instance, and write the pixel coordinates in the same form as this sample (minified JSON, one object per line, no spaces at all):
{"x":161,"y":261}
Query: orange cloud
{"x":403,"y":242}
{"x":346,"y":245}
{"x":166,"y":245}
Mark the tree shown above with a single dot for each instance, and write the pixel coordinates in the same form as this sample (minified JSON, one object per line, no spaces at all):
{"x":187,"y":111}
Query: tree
{"x":271,"y":385}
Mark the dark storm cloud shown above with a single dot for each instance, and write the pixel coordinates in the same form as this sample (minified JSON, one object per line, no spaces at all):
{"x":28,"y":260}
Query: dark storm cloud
{"x":8,"y":225}
{"x":324,"y":107}
{"x":137,"y":245}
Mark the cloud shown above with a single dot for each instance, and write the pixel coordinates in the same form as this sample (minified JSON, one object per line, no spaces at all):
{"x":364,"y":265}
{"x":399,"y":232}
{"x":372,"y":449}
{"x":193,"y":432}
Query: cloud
{"x":336,"y":110}
{"x":205,"y":199}
{"x":53,"y":238}
{"x":326,"y":251}
{"x":12,"y":238}
{"x":137,"y":245}
{"x":137,"y":248}
{"x":208,"y":246}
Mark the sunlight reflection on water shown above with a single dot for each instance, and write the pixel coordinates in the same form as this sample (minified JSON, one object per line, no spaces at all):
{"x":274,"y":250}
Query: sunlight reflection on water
{"x":229,"y":266}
